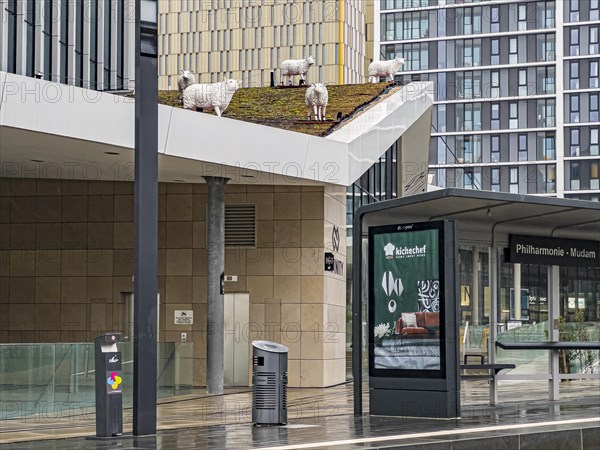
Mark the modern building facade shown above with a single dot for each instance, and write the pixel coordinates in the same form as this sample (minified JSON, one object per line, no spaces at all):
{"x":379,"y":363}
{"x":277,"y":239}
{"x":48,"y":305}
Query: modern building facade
{"x":66,"y":226}
{"x":516,"y":90}
{"x":248,"y":40}
{"x":85,"y":43}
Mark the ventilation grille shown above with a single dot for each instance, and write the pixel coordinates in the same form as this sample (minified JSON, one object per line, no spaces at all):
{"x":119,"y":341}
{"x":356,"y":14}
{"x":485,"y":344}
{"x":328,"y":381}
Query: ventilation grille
{"x":265,"y":391}
{"x":240,"y":225}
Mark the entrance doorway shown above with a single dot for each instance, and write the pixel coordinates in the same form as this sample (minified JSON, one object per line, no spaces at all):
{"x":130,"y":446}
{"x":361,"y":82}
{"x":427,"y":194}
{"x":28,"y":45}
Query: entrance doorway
{"x":237,"y":320}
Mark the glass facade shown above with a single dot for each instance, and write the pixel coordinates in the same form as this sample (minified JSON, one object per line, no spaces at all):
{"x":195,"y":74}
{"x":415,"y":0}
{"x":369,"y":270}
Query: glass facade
{"x":494,"y":67}
{"x":85,"y":44}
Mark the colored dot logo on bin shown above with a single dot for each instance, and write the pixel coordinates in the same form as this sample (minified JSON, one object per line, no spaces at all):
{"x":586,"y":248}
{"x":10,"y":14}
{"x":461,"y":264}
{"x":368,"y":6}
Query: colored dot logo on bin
{"x":114,"y":380}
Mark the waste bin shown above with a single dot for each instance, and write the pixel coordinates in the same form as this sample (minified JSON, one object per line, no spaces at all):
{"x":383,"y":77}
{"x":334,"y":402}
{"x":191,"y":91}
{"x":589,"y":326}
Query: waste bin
{"x":109,"y":385}
{"x":269,"y":380}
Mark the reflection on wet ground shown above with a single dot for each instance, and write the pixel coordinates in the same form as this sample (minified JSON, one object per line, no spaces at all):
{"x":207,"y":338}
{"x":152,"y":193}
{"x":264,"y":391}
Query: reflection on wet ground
{"x":325,"y":415}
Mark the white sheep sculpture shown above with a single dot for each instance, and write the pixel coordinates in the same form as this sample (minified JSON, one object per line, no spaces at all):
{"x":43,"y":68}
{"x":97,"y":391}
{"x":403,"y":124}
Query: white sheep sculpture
{"x":317,"y":99}
{"x":214,"y":96}
{"x":291,"y":67}
{"x":384,"y":69}
{"x":185,"y":80}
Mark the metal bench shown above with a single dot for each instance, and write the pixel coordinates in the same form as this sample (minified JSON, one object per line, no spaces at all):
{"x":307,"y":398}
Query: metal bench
{"x":491,"y":375}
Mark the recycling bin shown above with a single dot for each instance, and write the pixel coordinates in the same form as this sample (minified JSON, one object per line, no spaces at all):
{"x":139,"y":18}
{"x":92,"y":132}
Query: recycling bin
{"x":269,"y":383}
{"x":109,"y":386}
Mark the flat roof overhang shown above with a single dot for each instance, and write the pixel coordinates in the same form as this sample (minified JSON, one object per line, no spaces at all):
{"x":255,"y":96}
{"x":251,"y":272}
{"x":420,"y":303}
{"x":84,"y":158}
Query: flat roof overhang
{"x":487,"y":218}
{"x":71,"y":129}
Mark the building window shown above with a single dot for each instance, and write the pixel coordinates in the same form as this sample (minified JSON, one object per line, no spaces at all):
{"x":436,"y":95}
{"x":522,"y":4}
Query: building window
{"x":495,"y":116}
{"x":594,"y":147}
{"x":469,"y":179}
{"x":594,"y":176}
{"x":574,"y":10}
{"x":575,"y":149}
{"x":512,"y":51}
{"x":574,"y":108}
{"x":545,"y":15}
{"x":574,"y":42}
{"x":495,"y":84}
{"x":108,"y":43}
{"x":495,"y":19}
{"x":574,"y":75}
{"x":11,"y":10}
{"x":546,"y":113}
{"x":594,"y":74}
{"x":522,"y":18}
{"x":468,"y":53}
{"x":575,"y":176}
{"x":550,"y":178}
{"x":469,"y":22}
{"x":546,"y":146}
{"x":513,"y":116}
{"x":523,"y":83}
{"x":93,"y":12}
{"x":545,"y":80}
{"x":593,"y":47}
{"x":441,"y":118}
{"x":593,"y":107}
{"x":514,"y":180}
{"x":495,"y":49}
{"x":594,"y":10}
{"x":47,"y":33}
{"x":522,"y":147}
{"x":30,"y":19}
{"x":495,"y":179}
{"x":495,"y":149}
{"x":545,"y":47}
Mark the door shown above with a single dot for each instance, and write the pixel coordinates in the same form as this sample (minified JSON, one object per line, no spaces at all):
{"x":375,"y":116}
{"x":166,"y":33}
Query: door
{"x":237,"y":319}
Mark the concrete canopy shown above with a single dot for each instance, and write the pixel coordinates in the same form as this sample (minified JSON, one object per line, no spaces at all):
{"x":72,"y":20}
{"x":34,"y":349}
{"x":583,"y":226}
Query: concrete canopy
{"x":92,"y":134}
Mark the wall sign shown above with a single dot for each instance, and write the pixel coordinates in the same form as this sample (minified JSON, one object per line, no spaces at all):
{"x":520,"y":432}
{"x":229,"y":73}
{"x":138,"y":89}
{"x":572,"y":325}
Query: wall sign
{"x":333,"y":265}
{"x":329,"y":262}
{"x":184,"y":317}
{"x":553,"y":251}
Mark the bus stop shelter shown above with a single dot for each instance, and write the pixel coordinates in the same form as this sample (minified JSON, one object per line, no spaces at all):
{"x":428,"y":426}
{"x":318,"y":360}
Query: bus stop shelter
{"x":484,"y":220}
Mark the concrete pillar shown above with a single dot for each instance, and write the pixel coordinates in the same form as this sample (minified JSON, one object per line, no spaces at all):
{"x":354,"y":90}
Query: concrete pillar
{"x":517,"y":290}
{"x":475,"y":319}
{"x":215,"y":339}
{"x":553,"y":313}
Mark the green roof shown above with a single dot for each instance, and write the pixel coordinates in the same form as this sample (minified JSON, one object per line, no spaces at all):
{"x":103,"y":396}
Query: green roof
{"x":285,"y":108}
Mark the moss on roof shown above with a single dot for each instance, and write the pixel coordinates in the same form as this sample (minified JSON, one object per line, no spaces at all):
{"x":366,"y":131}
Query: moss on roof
{"x":285,"y":108}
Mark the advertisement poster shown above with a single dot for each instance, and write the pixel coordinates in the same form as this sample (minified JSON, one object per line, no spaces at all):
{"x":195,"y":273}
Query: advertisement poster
{"x":405,"y":298}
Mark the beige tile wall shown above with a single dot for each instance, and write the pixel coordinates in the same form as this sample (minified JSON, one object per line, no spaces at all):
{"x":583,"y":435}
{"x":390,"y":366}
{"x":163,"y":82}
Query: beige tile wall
{"x":66,"y":256}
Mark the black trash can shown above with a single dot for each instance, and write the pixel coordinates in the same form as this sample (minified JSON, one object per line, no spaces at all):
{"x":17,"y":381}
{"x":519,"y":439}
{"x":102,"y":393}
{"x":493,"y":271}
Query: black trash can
{"x":269,"y":380}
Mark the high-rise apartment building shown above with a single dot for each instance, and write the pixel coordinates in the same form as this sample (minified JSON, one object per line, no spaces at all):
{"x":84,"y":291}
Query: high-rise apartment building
{"x":247,"y":40}
{"x":516,"y":90}
{"x":86,"y":43}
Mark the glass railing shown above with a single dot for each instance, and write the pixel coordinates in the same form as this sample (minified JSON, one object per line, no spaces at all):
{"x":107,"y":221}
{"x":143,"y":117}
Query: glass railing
{"x":55,"y":378}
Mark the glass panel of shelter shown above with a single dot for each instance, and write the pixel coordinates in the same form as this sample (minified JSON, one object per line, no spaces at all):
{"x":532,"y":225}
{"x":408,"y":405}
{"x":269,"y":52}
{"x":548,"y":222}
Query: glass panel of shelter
{"x":579,"y":292}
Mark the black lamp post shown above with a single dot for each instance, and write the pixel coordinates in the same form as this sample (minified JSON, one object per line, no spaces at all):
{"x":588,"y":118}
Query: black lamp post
{"x":146,"y":217}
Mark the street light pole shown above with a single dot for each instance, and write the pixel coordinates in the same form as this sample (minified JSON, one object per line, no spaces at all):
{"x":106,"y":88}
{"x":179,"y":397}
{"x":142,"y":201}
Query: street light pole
{"x":146,"y":217}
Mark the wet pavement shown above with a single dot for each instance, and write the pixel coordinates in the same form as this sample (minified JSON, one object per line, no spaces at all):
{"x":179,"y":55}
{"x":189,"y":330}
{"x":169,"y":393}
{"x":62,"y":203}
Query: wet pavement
{"x":570,"y":423}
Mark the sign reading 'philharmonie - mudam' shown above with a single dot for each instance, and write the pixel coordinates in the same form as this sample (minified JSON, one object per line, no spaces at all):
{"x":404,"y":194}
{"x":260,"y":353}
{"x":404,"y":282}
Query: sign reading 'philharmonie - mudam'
{"x":553,"y":251}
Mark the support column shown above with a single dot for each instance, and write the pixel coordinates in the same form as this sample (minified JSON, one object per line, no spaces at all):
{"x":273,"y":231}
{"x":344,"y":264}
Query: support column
{"x":215,"y":225}
{"x":494,"y":265}
{"x":517,"y":290}
{"x":553,"y":313}
{"x":475,"y":320}
{"x":145,"y":225}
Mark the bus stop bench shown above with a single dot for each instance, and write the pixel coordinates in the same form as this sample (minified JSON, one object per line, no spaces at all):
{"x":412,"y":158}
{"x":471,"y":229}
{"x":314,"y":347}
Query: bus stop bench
{"x":493,"y":370}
